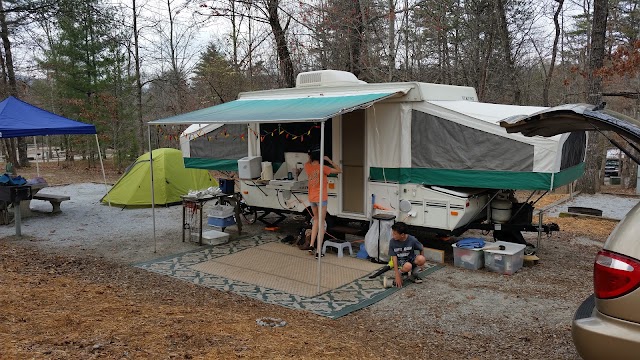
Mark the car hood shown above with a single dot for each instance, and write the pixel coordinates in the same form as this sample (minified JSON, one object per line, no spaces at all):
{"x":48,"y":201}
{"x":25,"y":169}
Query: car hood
{"x":573,"y":117}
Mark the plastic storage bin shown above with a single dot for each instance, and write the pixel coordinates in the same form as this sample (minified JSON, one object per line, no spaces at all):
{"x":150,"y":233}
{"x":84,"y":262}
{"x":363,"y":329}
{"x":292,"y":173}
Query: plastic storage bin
{"x":221,"y":211}
{"x":220,"y":222}
{"x":472,"y":259}
{"x":506,"y":261}
{"x":227,"y":186}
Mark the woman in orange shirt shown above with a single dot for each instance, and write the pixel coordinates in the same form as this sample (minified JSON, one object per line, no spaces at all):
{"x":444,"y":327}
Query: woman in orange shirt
{"x":312,"y":168}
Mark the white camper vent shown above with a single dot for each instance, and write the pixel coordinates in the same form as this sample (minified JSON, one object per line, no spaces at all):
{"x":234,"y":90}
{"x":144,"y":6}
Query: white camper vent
{"x":326,"y":78}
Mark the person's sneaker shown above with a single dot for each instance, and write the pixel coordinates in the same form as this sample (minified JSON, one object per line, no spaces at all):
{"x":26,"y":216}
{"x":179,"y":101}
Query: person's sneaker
{"x":417,"y":280}
{"x":317,"y":253}
{"x":306,"y":247}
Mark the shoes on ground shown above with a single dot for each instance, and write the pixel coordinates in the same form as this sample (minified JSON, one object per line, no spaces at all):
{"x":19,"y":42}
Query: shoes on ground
{"x":289,"y":239}
{"x":306,"y":247}
{"x":318,"y":254}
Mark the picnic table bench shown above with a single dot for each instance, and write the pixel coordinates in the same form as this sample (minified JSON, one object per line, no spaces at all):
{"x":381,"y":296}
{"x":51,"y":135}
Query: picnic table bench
{"x":55,"y":200}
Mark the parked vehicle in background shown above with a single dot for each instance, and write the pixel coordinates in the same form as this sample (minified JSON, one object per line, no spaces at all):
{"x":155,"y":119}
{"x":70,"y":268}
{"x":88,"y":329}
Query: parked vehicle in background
{"x":607,"y":324}
{"x":612,"y":167}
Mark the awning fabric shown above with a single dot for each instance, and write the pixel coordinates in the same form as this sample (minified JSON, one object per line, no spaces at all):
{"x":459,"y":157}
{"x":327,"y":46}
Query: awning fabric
{"x":277,"y":110}
{"x":18,"y":118}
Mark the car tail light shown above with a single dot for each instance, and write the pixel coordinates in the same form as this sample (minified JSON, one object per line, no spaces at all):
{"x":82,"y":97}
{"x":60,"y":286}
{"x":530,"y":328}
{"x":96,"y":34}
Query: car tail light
{"x":615,"y":275}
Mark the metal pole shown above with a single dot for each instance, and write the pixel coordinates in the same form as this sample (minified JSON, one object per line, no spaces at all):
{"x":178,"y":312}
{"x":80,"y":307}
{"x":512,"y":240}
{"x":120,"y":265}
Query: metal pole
{"x":153,"y":199}
{"x":539,"y":230}
{"x":104,"y":176}
{"x":320,"y":212}
{"x":35,"y":144}
{"x":17,"y":218}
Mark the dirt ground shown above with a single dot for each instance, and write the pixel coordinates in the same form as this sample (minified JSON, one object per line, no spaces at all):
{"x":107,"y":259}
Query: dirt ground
{"x":57,"y":305}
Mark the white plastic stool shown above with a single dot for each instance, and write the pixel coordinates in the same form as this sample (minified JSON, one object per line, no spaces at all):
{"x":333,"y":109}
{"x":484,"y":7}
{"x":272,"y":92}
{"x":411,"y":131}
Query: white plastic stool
{"x":338,"y":245}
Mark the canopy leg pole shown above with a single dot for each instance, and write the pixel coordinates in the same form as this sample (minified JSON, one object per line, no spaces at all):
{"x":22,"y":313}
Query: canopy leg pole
{"x":320,"y":239}
{"x":35,"y":144}
{"x":104,"y":176}
{"x":153,"y":199}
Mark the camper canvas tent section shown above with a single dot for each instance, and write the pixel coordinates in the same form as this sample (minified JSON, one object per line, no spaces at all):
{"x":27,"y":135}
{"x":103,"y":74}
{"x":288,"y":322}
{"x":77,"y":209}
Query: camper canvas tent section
{"x":213,"y":146}
{"x":399,"y":141}
{"x":171,"y":180}
{"x":459,"y":143}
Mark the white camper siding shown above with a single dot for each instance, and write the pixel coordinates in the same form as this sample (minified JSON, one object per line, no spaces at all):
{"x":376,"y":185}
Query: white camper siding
{"x":546,"y":157}
{"x":405,"y":139}
{"x":253,"y":131}
{"x":384,"y":135}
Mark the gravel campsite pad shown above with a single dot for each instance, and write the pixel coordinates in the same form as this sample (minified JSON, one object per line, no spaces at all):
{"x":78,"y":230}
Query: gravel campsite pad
{"x":612,"y":206}
{"x":69,"y":291}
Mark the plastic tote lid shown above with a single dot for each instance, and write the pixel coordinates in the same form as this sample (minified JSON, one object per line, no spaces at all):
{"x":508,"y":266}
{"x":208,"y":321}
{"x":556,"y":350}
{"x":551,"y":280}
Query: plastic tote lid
{"x":470,"y":243}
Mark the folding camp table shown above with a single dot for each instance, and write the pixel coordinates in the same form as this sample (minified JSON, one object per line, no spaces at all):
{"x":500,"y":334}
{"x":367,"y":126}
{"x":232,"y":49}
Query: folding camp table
{"x":197,"y":203}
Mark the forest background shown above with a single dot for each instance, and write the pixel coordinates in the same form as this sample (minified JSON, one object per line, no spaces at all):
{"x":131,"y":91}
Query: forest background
{"x":120,"y":64}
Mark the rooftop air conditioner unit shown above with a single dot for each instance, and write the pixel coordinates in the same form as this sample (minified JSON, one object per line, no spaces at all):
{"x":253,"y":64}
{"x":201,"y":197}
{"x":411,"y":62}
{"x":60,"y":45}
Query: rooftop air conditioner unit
{"x":326,"y":78}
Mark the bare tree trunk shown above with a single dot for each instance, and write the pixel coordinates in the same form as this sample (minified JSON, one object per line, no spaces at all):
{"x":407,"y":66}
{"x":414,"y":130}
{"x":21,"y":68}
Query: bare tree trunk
{"x":505,"y":38}
{"x":590,"y":182}
{"x":5,"y":88}
{"x":356,"y":39}
{"x":284,"y":56}
{"x":554,"y":53}
{"x":141,"y":127}
{"x":21,"y":159}
{"x":391,"y":58}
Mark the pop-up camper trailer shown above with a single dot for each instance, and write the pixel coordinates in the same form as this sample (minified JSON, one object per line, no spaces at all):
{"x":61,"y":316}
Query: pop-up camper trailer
{"x":430,"y":154}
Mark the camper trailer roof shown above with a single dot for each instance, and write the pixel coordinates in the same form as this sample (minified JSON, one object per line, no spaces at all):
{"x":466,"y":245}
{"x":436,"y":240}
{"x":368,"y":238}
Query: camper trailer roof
{"x":323,"y":95}
{"x":486,"y":111}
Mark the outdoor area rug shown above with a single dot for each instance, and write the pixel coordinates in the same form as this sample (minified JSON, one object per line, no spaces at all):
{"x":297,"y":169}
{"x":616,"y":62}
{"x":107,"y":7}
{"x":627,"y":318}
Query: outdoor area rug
{"x":262,"y":268}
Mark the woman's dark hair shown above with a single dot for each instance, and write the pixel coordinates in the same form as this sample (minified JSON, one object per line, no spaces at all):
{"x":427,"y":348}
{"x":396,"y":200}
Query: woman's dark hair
{"x":399,"y":227}
{"x":314,"y":153}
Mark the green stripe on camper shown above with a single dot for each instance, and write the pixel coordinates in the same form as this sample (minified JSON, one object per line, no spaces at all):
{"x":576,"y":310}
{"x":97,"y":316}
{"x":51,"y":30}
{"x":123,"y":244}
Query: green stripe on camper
{"x":568,"y":175}
{"x":477,"y":178}
{"x":211,"y":164}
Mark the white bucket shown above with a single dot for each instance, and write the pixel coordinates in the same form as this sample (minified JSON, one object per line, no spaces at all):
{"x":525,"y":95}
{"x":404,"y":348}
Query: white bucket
{"x":267,"y":171}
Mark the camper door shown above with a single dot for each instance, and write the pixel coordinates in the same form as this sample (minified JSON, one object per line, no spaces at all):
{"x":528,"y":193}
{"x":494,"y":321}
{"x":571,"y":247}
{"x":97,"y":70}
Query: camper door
{"x":352,"y":151}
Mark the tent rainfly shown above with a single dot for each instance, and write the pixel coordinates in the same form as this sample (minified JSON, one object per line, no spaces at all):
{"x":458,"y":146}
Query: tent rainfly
{"x":172,"y":179}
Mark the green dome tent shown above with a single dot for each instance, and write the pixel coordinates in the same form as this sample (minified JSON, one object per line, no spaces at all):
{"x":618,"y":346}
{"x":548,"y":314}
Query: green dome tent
{"x":171,"y":179}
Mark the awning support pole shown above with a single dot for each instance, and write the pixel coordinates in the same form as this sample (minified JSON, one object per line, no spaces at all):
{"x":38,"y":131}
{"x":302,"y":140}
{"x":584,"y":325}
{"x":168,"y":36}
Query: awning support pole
{"x":320,"y":210}
{"x":104,"y":176}
{"x":153,"y":199}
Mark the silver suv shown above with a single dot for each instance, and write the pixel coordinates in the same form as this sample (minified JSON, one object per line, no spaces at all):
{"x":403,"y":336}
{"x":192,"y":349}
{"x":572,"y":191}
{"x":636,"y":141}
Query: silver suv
{"x":607,"y":324}
{"x":612,"y":167}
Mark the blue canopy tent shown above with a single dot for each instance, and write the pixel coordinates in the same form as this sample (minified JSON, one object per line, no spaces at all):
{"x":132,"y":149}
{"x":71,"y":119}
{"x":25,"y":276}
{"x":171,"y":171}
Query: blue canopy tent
{"x":18,"y":119}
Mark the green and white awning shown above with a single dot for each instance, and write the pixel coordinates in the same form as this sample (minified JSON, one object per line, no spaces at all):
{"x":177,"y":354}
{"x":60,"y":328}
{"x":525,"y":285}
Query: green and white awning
{"x":278,"y":110}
